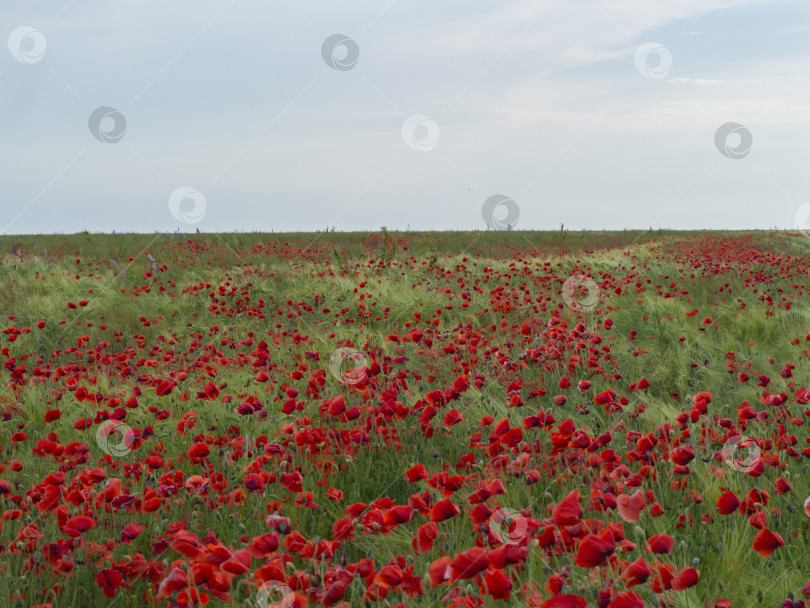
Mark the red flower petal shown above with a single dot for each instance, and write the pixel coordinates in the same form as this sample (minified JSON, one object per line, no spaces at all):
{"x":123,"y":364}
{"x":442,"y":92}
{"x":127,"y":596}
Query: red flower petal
{"x":766,"y":542}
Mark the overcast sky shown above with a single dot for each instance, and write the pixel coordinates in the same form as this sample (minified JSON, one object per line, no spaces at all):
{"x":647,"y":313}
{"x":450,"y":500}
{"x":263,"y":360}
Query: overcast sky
{"x":235,"y":115}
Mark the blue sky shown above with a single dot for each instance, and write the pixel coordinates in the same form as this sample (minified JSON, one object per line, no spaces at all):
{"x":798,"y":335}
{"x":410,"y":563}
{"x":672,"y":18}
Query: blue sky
{"x":540,"y":102}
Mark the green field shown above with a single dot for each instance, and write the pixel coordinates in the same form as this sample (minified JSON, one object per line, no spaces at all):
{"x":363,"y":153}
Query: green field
{"x":156,"y":340}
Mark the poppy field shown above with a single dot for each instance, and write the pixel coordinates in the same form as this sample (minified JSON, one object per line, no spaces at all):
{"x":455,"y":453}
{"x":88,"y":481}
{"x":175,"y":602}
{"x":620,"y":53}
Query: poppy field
{"x":548,"y":420}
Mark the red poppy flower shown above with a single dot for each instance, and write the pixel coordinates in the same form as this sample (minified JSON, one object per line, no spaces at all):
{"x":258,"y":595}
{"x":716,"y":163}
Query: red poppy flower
{"x":461,"y":384}
{"x":334,"y":494}
{"x":237,"y":563}
{"x":397,"y":515}
{"x":759,"y":520}
{"x":209,"y":392}
{"x":264,"y":545}
{"x":343,"y":529}
{"x":766,"y":542}
{"x":440,"y":571}
{"x":469,"y":563}
{"x":175,"y":582}
{"x":630,"y":507}
{"x":636,"y":573}
{"x":782,"y":486}
{"x":568,"y":511}
{"x":198,"y":450}
{"x":660,"y":543}
{"x":109,"y":581}
{"x":425,"y":535}
{"x":130,"y":532}
{"x":727,"y":503}
{"x":688,"y":577}
{"x":452,"y":418}
{"x":164,"y":388}
{"x":565,"y":601}
{"x":443,"y":510}
{"x":389,"y":576}
{"x":498,"y":584}
{"x":628,"y":599}
{"x":78,"y":525}
{"x":416,"y":472}
{"x":593,"y":550}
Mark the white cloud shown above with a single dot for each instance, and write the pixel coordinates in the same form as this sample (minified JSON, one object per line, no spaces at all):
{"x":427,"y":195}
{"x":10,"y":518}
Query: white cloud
{"x":537,"y":88}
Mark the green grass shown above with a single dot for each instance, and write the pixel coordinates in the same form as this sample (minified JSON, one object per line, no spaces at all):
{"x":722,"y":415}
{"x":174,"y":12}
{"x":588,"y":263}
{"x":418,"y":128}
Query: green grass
{"x":303,"y":266}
